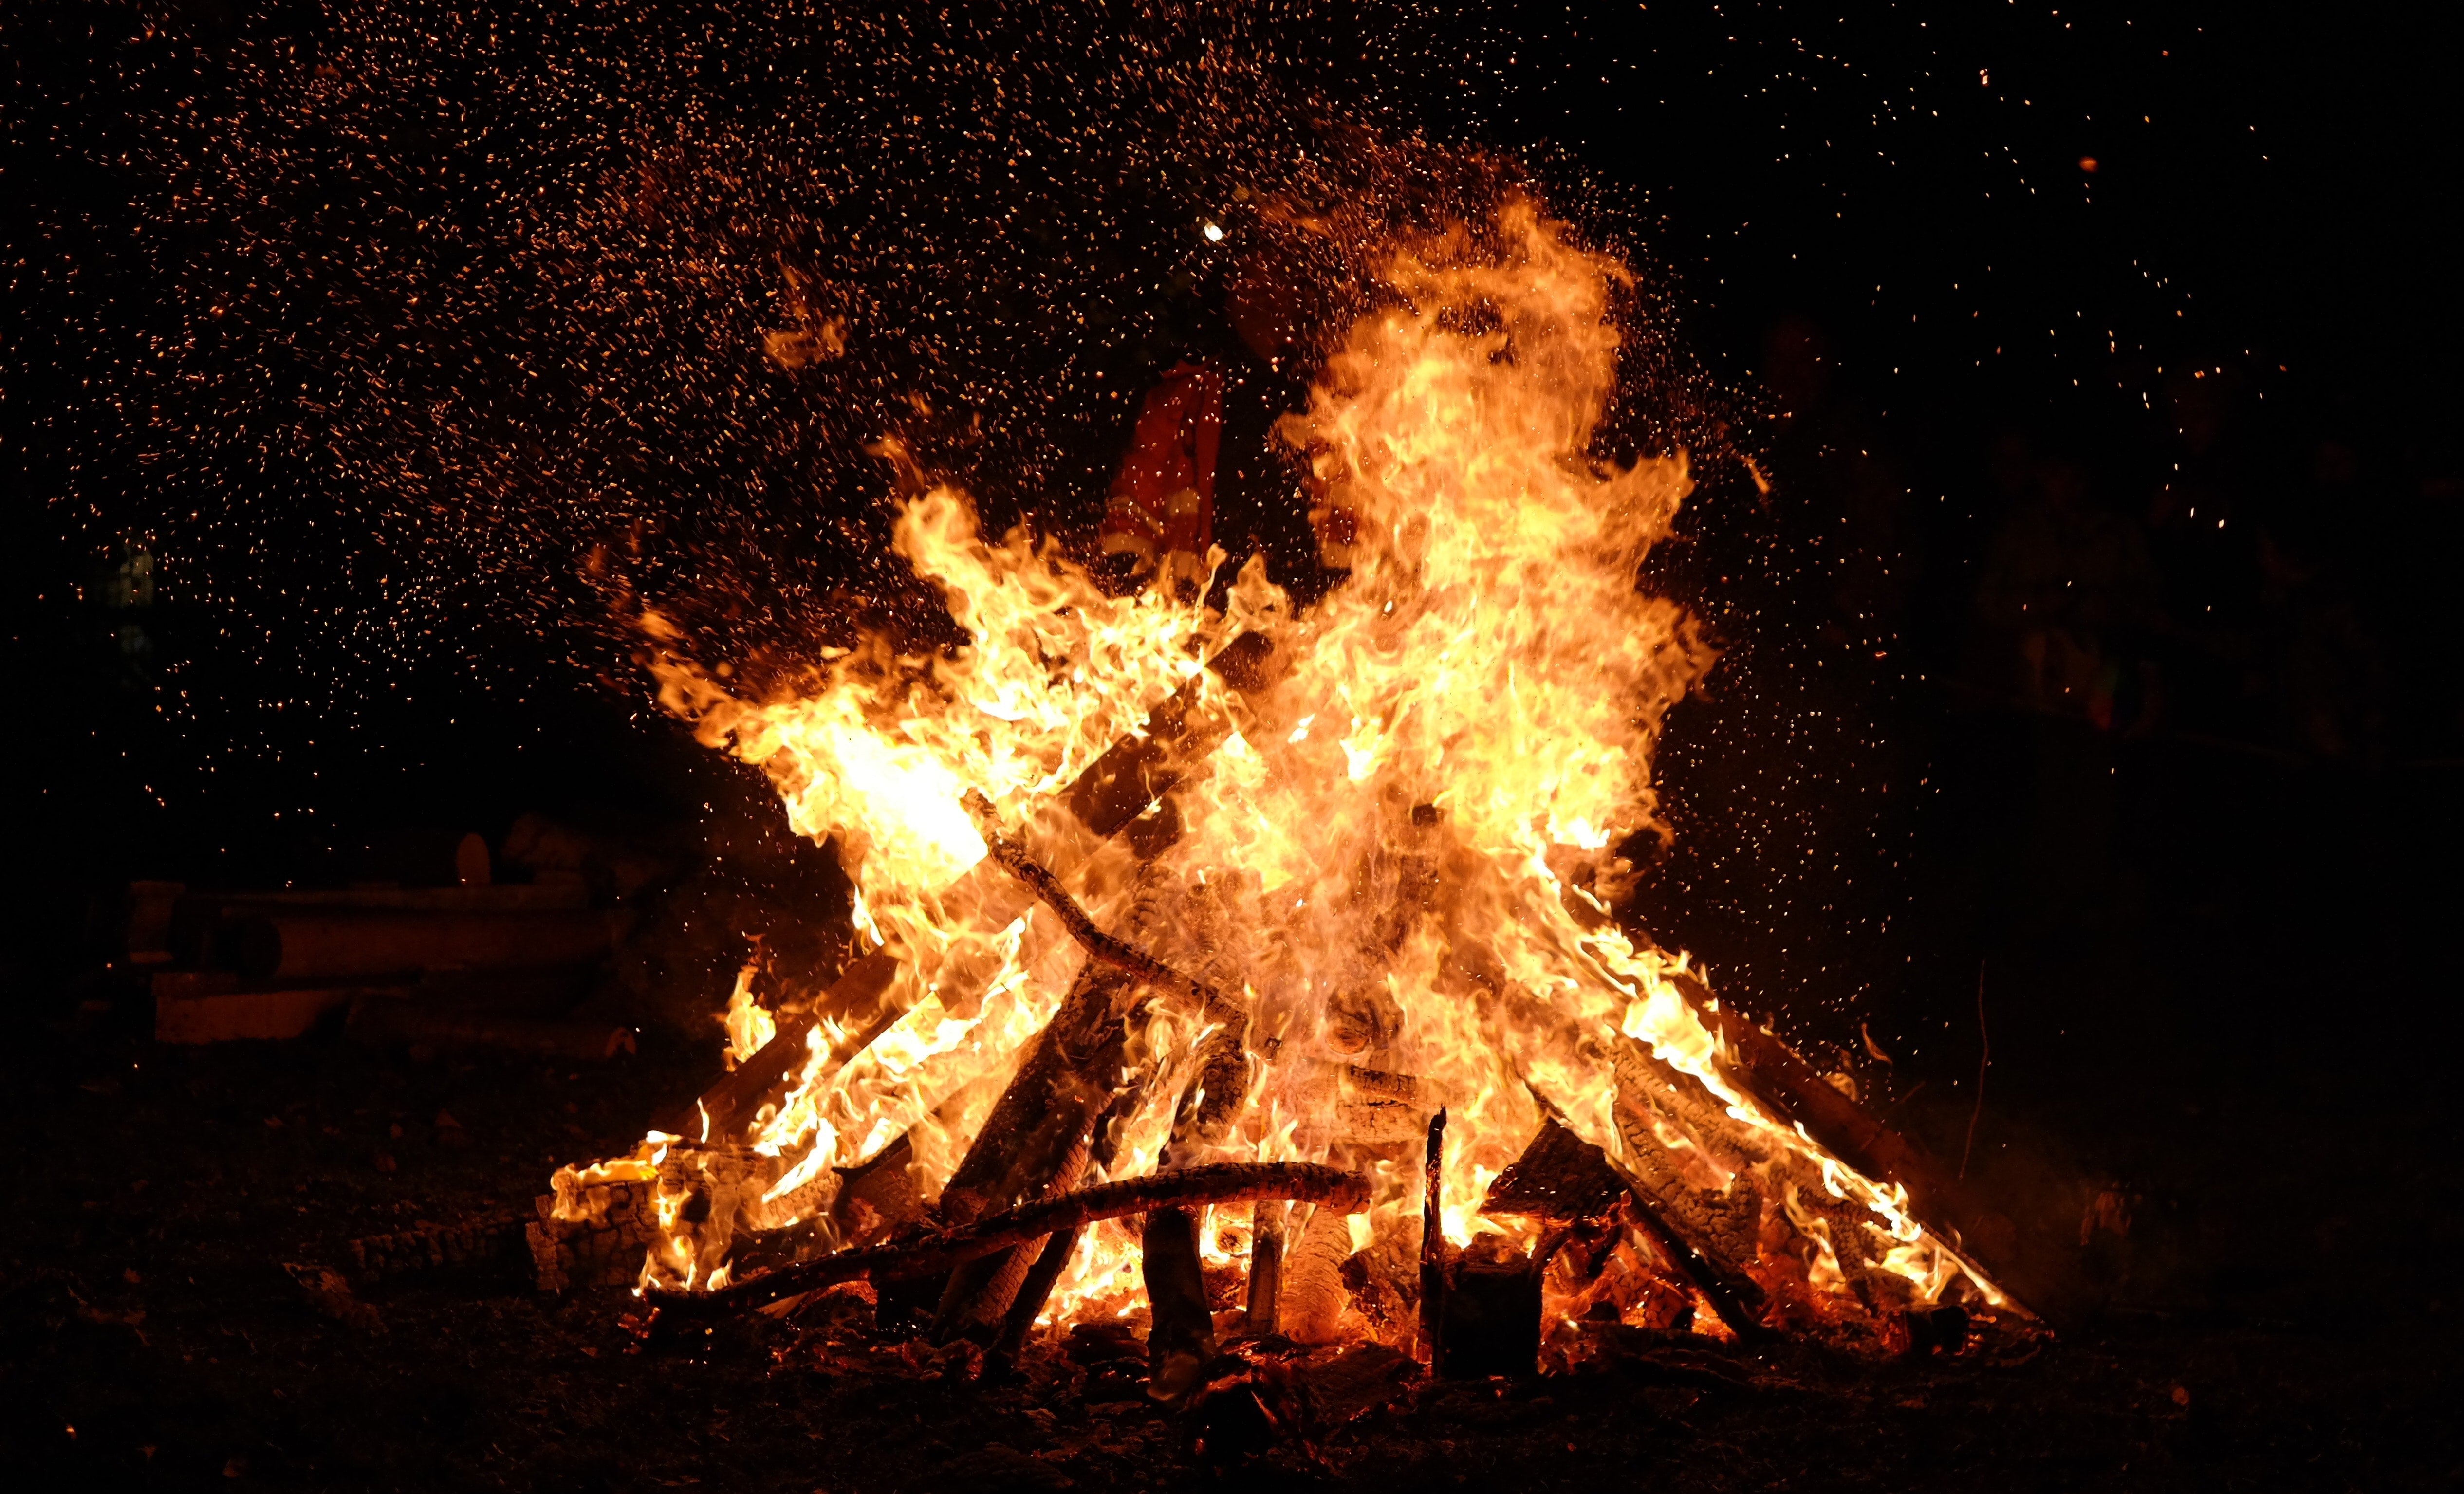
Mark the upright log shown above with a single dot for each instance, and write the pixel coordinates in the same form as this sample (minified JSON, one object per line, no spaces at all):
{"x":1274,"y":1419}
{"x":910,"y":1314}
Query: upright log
{"x":1490,"y":1311}
{"x":1265,"y":1268}
{"x":1432,"y":1240}
{"x":1314,"y":1295}
{"x":1181,"y":1334}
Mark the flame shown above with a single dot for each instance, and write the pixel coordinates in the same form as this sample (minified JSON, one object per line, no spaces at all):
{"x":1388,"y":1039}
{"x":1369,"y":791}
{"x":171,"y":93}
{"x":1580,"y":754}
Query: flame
{"x":1402,"y":855}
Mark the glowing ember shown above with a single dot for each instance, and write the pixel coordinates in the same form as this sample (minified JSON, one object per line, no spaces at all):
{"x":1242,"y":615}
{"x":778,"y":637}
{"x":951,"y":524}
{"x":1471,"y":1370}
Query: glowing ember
{"x":1397,"y":866}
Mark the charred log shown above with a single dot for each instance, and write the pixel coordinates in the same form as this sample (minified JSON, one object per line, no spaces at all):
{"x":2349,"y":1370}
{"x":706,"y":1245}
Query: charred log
{"x":1265,"y":1268}
{"x":1433,"y":1241}
{"x":1489,"y":1312}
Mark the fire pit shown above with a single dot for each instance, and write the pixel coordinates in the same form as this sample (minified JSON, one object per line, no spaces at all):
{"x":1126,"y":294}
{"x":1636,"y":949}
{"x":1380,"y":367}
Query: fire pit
{"x":1244,"y":977}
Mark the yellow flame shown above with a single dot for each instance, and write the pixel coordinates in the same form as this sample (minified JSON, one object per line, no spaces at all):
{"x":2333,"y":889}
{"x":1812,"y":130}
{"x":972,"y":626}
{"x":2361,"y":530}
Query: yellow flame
{"x":1401,"y":855}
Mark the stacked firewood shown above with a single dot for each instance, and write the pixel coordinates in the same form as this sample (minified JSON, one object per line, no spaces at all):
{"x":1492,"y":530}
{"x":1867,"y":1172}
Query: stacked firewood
{"x":1702,"y":1218}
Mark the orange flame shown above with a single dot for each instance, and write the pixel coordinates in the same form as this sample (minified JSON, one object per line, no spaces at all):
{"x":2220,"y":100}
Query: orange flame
{"x":1402,"y":857}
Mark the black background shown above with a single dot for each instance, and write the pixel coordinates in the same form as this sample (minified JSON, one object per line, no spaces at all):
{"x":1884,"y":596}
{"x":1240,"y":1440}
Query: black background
{"x":341,"y":650}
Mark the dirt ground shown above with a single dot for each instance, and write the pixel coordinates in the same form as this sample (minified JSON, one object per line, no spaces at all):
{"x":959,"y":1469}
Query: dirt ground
{"x":153,"y":1335}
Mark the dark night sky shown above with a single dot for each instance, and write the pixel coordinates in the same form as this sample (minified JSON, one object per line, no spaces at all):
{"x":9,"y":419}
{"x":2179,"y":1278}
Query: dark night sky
{"x":328,"y":309}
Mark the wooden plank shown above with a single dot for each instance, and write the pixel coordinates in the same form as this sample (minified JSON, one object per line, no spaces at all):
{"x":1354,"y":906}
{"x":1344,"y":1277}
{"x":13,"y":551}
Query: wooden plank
{"x":234,"y":1015}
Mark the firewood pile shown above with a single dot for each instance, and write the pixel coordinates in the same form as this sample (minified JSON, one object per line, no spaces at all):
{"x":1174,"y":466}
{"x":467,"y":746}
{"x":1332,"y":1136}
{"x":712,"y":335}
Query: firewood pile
{"x":1249,"y":980}
{"x":467,"y":963}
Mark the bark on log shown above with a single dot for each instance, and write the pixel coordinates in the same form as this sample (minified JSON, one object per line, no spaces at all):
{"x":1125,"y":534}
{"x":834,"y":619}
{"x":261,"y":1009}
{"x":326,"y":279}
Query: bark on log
{"x":1036,"y":1289}
{"x":1332,"y":1189}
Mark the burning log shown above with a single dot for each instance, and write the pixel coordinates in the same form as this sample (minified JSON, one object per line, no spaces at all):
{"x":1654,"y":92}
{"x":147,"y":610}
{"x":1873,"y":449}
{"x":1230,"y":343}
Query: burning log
{"x":1036,"y":1288}
{"x":1057,"y":1091}
{"x":1564,"y":1178}
{"x":592,"y":1230}
{"x":750,"y":1084}
{"x":1329,"y":1188}
{"x":1104,"y":801}
{"x":1045,"y":1114}
{"x":1210,"y":1004}
{"x":1313,"y":1293}
{"x":1560,"y":1176}
{"x":1774,"y":1073}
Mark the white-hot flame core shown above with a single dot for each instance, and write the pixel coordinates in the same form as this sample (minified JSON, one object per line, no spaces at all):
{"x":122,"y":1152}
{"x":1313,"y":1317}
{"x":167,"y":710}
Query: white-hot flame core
{"x":1401,"y":855}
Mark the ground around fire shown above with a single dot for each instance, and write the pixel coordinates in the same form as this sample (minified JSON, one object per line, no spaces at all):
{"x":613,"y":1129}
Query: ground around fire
{"x":2250,"y":1077}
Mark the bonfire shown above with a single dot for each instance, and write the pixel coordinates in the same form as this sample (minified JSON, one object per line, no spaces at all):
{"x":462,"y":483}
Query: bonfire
{"x":1251,"y":975}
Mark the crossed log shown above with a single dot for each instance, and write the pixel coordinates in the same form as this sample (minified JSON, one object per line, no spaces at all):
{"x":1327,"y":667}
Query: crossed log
{"x":1195,"y":1187}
